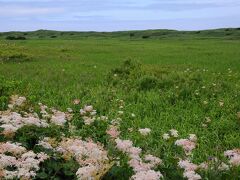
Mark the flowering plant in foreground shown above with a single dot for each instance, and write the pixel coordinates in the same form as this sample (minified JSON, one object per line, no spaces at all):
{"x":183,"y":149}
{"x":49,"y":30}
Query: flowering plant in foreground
{"x":19,"y":161}
{"x":25,"y":163}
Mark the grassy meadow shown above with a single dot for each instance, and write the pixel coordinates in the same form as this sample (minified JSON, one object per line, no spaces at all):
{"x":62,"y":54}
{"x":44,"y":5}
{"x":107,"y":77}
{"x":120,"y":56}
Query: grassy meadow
{"x":188,"y":84}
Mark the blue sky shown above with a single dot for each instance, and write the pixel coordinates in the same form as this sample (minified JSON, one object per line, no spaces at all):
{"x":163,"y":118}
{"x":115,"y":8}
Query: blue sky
{"x":112,"y":15}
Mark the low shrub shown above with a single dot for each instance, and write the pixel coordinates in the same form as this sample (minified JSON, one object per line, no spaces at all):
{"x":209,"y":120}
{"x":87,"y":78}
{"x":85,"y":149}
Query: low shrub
{"x":16,"y":38}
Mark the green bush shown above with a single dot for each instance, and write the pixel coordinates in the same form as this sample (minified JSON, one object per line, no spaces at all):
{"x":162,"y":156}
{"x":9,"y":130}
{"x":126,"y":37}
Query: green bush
{"x":16,"y":38}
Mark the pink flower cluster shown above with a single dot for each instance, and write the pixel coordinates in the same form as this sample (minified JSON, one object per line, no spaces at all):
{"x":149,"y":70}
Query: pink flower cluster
{"x":189,"y":170}
{"x":91,"y":157}
{"x":12,"y":121}
{"x":58,"y":118}
{"x":25,"y":163}
{"x":141,"y":167}
{"x":113,"y":131}
{"x":187,"y":144}
{"x":88,"y":114}
{"x":234,"y":156}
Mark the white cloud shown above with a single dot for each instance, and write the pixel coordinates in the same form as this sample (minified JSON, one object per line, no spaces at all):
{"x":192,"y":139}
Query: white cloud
{"x":24,"y":10}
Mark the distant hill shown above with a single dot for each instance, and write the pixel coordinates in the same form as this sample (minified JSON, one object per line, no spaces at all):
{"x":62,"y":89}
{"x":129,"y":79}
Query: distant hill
{"x":226,"y":33}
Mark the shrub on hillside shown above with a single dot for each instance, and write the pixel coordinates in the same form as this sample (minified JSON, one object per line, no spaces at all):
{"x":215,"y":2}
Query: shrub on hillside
{"x":16,"y":38}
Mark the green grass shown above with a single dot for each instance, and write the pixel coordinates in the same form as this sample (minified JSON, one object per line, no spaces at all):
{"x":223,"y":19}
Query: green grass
{"x":165,"y":91}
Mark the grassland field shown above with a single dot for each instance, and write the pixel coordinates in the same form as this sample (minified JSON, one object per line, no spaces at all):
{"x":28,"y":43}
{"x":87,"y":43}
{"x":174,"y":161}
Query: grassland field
{"x":167,"y":83}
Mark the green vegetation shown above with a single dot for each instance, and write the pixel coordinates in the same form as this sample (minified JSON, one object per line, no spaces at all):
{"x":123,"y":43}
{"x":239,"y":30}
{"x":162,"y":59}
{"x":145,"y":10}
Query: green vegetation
{"x":188,"y":81}
{"x":227,"y":33}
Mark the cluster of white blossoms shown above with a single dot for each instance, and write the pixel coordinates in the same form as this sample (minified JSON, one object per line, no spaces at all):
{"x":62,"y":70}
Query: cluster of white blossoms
{"x":16,"y":101}
{"x":234,"y":156}
{"x":172,"y":133}
{"x":12,"y":121}
{"x":144,"y":131}
{"x":189,"y":170}
{"x":24,"y":163}
{"x":143,"y":167}
{"x":16,"y":162}
{"x":187,"y":144}
{"x":91,"y":157}
{"x":88,"y":114}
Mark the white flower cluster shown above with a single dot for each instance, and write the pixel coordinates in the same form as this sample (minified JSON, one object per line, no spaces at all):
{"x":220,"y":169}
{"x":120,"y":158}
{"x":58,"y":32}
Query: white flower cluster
{"x":92,"y":158}
{"x":144,"y":131}
{"x":88,"y":114}
{"x":143,"y":168}
{"x":12,"y":121}
{"x":16,"y":101}
{"x":187,"y":144}
{"x":234,"y":156}
{"x":189,"y":170}
{"x":25,"y":163}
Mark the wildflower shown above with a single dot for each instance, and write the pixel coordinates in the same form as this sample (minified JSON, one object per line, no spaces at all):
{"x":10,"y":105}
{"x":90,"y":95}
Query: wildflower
{"x":144,"y":131}
{"x":234,"y":156}
{"x":82,"y":112}
{"x":88,"y":108}
{"x":44,"y":143}
{"x":15,"y":100}
{"x":69,"y":110}
{"x":130,"y":129}
{"x":123,"y":145}
{"x":93,"y":113}
{"x":186,"y":144}
{"x":58,"y":118}
{"x":191,"y":175}
{"x":187,"y":165}
{"x":133,"y":115}
{"x":166,"y":136}
{"x":134,"y":152}
{"x":203,"y":166}
{"x":76,"y":101}
{"x":113,"y":132}
{"x":223,"y":167}
{"x":153,"y":160}
{"x":91,"y":157}
{"x":147,"y":175}
{"x":87,"y":172}
{"x":221,"y":103}
{"x":88,"y":120}
{"x":103,"y":118}
{"x":174,"y":132}
{"x":208,"y":120}
{"x":192,"y":137}
{"x":120,"y":112}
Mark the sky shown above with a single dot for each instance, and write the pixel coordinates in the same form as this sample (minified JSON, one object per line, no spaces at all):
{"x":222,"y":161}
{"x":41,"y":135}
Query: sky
{"x":114,"y":15}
